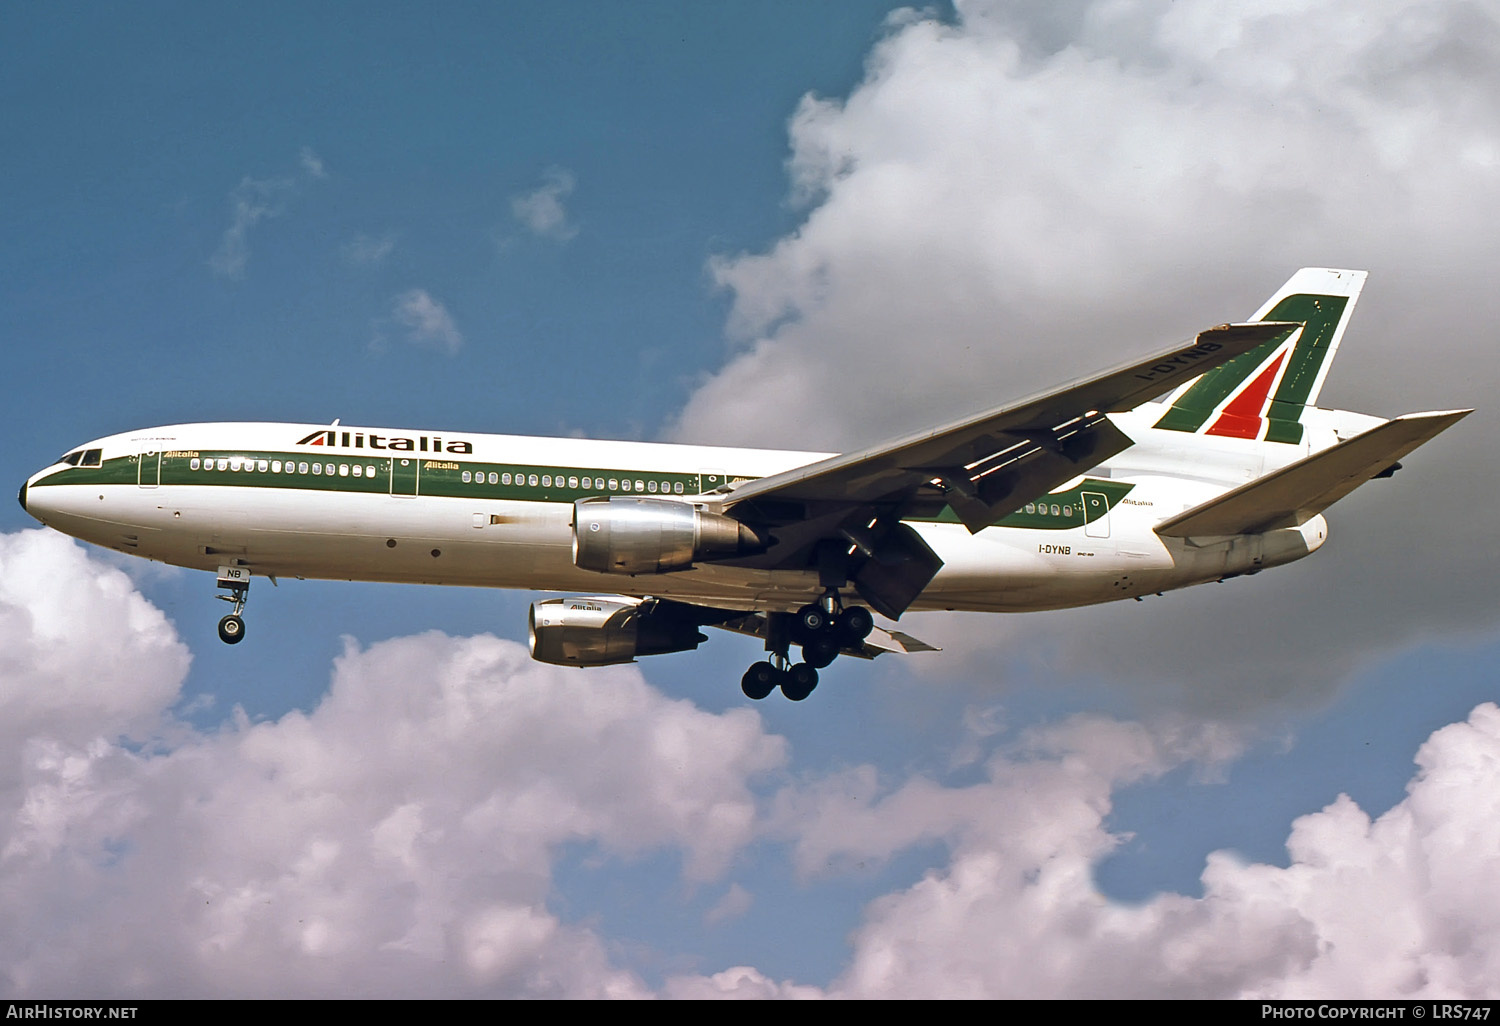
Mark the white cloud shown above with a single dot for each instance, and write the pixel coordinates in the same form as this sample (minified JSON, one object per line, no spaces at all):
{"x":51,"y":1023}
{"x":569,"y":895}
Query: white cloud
{"x":369,"y":249}
{"x":400,"y":839}
{"x":735,"y":903}
{"x":541,"y":210}
{"x":1026,"y":195}
{"x":742,"y":982}
{"x":1405,"y":906}
{"x":312,"y":164}
{"x":82,"y":655}
{"x":427,"y":321}
{"x":255,"y":200}
{"x":990,"y":213}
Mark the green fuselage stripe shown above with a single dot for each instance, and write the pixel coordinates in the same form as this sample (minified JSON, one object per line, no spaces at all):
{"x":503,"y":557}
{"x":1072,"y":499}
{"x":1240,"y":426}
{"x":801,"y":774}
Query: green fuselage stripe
{"x":413,"y":475}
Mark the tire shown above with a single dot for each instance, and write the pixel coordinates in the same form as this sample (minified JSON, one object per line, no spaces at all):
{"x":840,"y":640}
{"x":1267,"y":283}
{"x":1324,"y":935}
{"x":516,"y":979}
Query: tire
{"x":812,"y":619}
{"x":232,"y":630}
{"x":759,"y":681}
{"x":799,"y":683}
{"x":856,"y":623}
{"x":820,"y":653}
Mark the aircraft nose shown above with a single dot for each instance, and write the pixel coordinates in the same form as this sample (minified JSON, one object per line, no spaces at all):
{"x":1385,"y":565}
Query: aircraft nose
{"x":22,"y":496}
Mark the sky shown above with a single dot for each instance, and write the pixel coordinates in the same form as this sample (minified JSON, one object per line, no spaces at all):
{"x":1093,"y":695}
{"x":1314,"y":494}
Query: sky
{"x":809,"y":225}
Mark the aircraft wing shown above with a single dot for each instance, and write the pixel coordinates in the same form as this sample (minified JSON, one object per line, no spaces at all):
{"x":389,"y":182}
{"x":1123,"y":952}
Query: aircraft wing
{"x":843,"y":516}
{"x":1296,"y":493}
{"x":988,"y":465}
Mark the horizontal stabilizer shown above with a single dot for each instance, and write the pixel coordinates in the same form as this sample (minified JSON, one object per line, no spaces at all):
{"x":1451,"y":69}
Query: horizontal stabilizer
{"x":1293,"y":495}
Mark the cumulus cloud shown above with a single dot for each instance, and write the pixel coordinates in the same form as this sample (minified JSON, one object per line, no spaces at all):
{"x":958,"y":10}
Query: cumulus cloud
{"x":255,"y":200}
{"x":82,"y":654}
{"x":427,"y":321}
{"x":541,"y":210}
{"x":1019,"y":197}
{"x":401,"y":838}
{"x":1399,"y":907}
{"x":398,"y":839}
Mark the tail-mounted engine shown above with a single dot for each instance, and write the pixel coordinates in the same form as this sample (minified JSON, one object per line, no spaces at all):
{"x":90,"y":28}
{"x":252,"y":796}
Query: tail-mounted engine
{"x":600,"y":631}
{"x":654,"y":536}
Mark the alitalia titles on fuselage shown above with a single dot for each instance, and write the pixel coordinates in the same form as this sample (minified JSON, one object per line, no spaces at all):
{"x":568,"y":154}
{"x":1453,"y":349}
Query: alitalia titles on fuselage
{"x":398,"y":443}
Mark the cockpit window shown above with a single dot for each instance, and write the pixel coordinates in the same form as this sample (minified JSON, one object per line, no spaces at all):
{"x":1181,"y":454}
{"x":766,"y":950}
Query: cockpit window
{"x":83,"y":458}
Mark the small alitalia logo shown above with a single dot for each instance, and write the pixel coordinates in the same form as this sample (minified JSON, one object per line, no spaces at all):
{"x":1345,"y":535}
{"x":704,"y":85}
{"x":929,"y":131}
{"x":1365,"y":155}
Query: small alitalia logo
{"x":361,"y":440}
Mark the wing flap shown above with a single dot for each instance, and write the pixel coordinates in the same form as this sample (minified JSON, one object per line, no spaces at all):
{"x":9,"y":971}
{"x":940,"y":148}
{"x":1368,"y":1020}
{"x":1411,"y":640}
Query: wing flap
{"x":1296,"y":493}
{"x":880,"y":641}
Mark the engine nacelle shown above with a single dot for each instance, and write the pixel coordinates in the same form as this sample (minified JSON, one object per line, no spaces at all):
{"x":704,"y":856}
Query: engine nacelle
{"x":654,"y":536}
{"x":600,"y":631}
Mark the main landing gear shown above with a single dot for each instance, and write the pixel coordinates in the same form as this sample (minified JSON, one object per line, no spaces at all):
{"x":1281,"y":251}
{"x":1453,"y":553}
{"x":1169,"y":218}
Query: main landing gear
{"x":822,"y":629}
{"x":235,"y":580}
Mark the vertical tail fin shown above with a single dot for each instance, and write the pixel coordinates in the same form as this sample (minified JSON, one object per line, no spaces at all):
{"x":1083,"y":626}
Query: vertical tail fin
{"x":1261,"y":395}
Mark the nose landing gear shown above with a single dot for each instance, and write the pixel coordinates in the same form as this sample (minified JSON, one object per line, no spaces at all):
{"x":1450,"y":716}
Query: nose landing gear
{"x":235,"y":580}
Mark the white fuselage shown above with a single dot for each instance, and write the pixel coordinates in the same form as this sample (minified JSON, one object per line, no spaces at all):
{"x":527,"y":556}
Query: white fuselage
{"x":497,"y":511}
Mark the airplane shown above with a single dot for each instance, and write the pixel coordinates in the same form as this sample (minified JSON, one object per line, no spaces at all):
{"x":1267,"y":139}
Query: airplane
{"x":1204,"y":462}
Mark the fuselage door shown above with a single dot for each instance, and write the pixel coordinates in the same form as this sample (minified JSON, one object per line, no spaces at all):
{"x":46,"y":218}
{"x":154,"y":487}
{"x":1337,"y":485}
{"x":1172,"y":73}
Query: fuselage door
{"x":148,"y":469}
{"x":404,"y":470}
{"x":1095,"y":515}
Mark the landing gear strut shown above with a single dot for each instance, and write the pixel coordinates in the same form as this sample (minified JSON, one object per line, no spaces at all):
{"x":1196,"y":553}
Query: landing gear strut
{"x":822,"y":629}
{"x":236,"y":581}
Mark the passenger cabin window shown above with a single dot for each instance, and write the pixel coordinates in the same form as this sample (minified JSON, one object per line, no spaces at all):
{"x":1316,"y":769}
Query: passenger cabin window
{"x":194,"y":463}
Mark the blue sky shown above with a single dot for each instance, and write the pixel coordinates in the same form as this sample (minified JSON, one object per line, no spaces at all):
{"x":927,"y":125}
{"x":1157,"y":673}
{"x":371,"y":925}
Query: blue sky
{"x":810,"y":225}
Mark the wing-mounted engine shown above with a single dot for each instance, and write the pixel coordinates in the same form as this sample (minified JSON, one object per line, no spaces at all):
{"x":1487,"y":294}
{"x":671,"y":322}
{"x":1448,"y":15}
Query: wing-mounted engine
{"x":654,"y":536}
{"x":601,"y":631}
